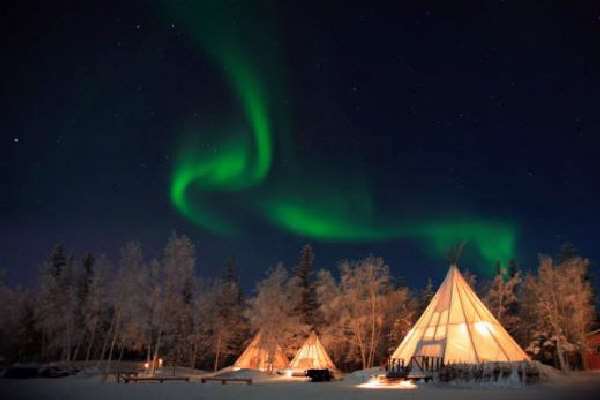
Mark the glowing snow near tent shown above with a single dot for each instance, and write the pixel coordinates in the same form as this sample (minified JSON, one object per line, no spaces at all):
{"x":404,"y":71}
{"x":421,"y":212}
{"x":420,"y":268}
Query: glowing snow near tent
{"x":379,"y":383}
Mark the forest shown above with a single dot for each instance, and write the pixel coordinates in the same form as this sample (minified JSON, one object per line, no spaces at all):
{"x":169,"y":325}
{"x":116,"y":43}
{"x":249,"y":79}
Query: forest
{"x":98,"y":310}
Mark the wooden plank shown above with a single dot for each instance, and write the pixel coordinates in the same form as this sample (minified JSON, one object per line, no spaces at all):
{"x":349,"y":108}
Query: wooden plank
{"x":225,"y":380}
{"x":156,"y":379}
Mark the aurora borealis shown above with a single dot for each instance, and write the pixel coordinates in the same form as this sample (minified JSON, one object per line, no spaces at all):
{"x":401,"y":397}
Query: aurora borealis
{"x":255,"y":127}
{"x":242,"y":163}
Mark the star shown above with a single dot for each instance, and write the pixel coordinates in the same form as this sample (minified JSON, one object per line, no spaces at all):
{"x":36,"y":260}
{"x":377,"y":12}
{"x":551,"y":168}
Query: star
{"x":16,"y":140}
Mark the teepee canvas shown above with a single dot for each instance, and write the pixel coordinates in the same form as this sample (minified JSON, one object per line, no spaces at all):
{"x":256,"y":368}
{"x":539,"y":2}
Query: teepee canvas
{"x":312,"y":354}
{"x":263,"y":354}
{"x":459,"y":328}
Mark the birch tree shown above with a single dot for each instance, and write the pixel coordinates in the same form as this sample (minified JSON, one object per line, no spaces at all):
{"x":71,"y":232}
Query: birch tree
{"x":176,"y":317}
{"x":95,"y":306}
{"x":363,"y":288}
{"x":126,"y":293}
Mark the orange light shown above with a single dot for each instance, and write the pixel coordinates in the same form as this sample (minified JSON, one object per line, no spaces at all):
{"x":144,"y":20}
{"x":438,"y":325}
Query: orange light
{"x":380,"y":383}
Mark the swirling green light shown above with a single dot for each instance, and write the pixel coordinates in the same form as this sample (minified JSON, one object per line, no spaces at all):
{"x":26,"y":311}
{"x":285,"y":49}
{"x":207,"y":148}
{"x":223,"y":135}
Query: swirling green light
{"x":338,"y":209}
{"x":494,"y":241}
{"x":236,"y":163}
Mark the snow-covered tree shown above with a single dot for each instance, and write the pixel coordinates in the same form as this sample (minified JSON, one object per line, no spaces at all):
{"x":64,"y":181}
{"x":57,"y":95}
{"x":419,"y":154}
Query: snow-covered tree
{"x":153,"y":308}
{"x":470,"y":278}
{"x":333,"y":337}
{"x":526,"y":331}
{"x":364,"y":286}
{"x":56,"y":309}
{"x":273,"y":313}
{"x":222,"y":319}
{"x":425,"y":296}
{"x":401,"y":311}
{"x":9,"y":321}
{"x":177,"y":321}
{"x":127,"y":295}
{"x":365,"y":315}
{"x":501,"y":298}
{"x":95,"y":306}
{"x":562,"y":303}
{"x":306,"y":303}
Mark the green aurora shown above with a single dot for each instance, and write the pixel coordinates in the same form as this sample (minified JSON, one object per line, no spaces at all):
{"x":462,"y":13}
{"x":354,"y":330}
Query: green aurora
{"x":241,"y":160}
{"x":238,"y":162}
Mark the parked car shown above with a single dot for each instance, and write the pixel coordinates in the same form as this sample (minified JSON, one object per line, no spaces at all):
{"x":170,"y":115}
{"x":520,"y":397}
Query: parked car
{"x":52,"y":372}
{"x":319,"y":375}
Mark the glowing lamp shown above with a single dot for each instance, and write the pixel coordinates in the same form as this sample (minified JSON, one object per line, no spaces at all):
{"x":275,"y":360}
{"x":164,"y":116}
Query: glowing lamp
{"x":483,"y":327}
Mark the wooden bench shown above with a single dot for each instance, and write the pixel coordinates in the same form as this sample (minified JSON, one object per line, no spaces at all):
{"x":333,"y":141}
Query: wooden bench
{"x":160,"y":379}
{"x":225,"y":380}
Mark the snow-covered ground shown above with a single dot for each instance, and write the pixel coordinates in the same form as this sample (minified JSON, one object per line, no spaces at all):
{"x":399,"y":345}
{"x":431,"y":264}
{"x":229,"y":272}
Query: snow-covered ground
{"x":267,"y":387}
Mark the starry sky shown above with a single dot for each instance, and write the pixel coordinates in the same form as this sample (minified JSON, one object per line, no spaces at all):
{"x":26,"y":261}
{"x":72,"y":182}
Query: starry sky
{"x":394,"y":130}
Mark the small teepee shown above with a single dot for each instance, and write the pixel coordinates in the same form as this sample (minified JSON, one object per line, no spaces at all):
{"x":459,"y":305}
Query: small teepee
{"x":312,"y":354}
{"x":459,"y":328}
{"x":263,"y":354}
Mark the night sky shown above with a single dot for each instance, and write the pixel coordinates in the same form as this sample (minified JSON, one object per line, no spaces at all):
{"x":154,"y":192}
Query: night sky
{"x":256,"y":127}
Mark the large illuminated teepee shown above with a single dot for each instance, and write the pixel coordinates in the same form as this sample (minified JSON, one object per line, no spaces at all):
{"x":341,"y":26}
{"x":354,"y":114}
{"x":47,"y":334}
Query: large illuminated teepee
{"x":262,"y":354}
{"x":459,"y":328}
{"x":312,"y":354}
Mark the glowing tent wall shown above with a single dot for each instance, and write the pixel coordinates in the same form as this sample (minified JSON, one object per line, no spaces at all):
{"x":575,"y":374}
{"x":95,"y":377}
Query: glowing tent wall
{"x":312,"y":354}
{"x":263,"y":355}
{"x":458,"y":327}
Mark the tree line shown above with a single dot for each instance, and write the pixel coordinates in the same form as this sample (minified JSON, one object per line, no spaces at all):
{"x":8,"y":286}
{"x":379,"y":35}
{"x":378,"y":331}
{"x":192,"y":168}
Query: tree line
{"x":89,"y":309}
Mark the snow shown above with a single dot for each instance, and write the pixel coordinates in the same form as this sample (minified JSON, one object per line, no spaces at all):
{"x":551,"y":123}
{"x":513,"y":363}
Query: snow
{"x":363,"y":375}
{"x":274,"y":387}
{"x":256,"y":376}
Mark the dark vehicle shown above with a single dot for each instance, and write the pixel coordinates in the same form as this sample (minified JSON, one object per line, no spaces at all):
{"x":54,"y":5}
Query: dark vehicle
{"x":319,"y":375}
{"x":52,"y":372}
